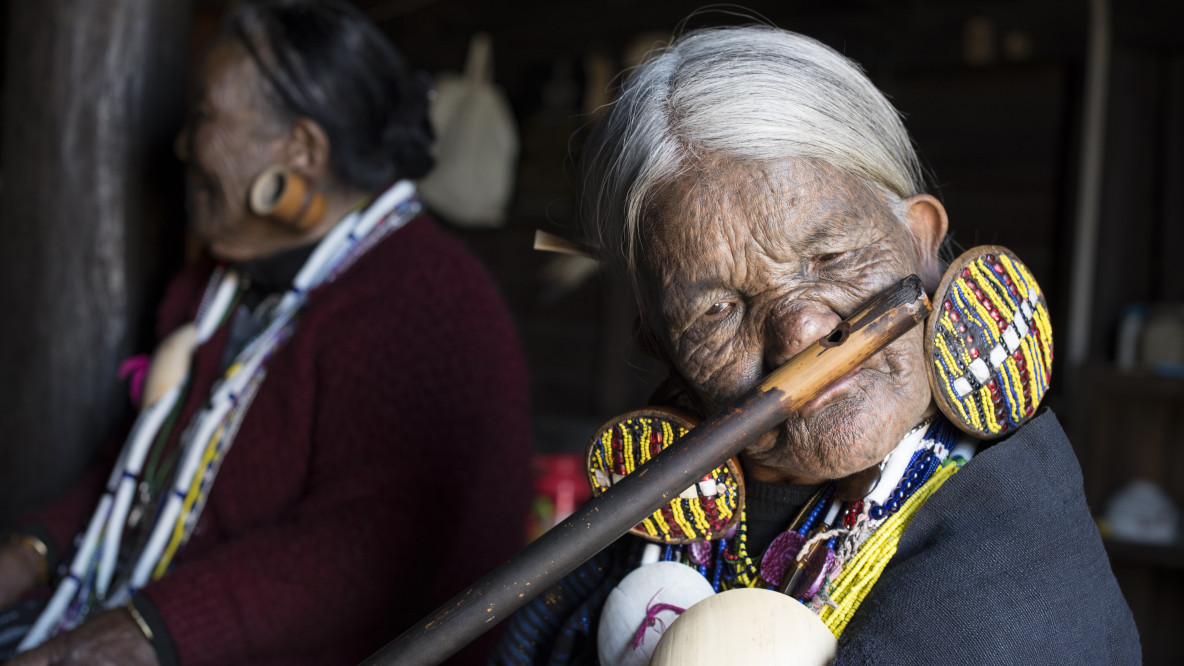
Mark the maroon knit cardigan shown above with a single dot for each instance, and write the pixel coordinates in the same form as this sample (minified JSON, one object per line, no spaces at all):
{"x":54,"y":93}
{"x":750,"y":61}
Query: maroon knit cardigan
{"x":382,"y":467}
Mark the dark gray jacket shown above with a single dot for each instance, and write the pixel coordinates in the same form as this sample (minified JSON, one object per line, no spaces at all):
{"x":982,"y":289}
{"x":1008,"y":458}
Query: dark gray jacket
{"x":1002,"y":565}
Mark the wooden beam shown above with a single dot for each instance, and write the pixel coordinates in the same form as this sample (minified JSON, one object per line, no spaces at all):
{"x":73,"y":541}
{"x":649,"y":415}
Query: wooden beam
{"x":91,"y":222}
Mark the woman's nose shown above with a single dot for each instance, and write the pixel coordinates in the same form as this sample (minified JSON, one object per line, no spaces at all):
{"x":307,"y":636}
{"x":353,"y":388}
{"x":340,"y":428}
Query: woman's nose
{"x":793,"y":326}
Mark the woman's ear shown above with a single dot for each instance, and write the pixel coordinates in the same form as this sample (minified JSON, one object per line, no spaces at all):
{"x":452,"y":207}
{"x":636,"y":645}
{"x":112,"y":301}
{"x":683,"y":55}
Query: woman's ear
{"x":927,"y":221}
{"x":306,"y":150}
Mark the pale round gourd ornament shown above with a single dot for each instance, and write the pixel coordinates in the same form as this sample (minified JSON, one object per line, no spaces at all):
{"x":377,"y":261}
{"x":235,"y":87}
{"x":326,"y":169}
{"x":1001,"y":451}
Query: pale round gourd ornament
{"x":169,"y":364}
{"x":634,"y":616}
{"x":754,"y":627}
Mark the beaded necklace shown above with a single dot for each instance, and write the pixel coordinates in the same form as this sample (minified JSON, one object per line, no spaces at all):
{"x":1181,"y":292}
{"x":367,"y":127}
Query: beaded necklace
{"x":89,"y":583}
{"x":838,"y":549}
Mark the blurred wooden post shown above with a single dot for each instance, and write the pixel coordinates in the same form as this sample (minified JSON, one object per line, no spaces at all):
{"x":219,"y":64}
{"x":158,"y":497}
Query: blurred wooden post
{"x":90,"y":222}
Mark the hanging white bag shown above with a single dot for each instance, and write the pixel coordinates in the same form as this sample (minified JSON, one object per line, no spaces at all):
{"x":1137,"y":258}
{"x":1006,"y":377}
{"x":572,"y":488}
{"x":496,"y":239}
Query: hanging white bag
{"x":476,"y":145}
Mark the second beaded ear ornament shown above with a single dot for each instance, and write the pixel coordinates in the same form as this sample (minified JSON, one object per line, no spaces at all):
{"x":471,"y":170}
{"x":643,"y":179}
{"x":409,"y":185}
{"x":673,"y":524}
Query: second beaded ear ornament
{"x":988,"y":343}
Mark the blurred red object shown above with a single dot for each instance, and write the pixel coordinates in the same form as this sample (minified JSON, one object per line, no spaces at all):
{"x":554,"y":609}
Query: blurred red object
{"x":560,"y":487}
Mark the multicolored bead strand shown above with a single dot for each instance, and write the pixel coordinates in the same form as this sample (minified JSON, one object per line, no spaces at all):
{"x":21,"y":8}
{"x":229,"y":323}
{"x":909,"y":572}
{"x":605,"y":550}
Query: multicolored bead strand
{"x":719,"y":564}
{"x":861,"y":573}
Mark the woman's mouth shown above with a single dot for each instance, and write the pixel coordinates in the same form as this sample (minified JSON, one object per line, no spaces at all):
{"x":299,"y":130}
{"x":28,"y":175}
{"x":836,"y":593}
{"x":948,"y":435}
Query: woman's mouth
{"x":842,"y":386}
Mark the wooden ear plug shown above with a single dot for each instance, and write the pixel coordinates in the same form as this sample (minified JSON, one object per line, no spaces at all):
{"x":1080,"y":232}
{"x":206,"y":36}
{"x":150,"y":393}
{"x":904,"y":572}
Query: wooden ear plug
{"x":285,"y":197}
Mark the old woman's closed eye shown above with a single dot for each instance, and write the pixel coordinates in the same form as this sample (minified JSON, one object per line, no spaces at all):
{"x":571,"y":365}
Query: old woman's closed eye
{"x":719,"y":309}
{"x":827,"y":258}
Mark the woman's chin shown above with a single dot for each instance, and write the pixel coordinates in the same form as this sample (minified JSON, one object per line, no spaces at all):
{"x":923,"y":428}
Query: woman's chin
{"x":212,"y":232}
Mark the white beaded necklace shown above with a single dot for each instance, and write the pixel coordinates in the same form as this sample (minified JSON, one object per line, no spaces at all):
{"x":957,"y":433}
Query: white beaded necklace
{"x":211,"y":432}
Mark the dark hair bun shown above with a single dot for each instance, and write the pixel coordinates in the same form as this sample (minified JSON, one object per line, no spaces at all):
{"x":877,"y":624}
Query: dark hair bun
{"x":408,"y":137}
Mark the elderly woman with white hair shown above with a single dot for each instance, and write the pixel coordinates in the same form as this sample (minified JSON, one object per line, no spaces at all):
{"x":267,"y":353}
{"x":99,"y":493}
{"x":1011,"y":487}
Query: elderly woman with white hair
{"x":756,"y":189}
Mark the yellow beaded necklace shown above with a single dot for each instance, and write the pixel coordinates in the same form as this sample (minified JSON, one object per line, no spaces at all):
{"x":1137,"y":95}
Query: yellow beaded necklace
{"x":862,"y":572}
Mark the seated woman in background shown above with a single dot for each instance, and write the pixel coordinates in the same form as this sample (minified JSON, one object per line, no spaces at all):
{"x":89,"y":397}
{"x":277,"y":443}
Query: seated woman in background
{"x":345,"y":443}
{"x":756,"y":189}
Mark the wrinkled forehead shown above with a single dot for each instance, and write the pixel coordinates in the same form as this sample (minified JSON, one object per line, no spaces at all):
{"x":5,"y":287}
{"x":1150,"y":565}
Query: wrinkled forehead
{"x":782,"y":208}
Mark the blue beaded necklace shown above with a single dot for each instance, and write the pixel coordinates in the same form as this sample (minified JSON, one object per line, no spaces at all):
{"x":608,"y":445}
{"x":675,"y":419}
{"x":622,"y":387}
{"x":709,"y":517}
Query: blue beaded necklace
{"x":725,"y":563}
{"x":922,"y":465}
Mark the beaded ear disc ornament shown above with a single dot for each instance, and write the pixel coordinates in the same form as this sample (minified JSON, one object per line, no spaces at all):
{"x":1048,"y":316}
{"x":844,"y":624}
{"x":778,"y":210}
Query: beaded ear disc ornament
{"x":705,"y":511}
{"x":990,"y":343}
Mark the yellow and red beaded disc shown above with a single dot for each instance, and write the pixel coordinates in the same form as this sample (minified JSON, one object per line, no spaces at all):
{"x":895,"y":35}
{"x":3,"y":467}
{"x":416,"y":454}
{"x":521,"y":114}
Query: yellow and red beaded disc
{"x":989,"y":343}
{"x":707,"y":510}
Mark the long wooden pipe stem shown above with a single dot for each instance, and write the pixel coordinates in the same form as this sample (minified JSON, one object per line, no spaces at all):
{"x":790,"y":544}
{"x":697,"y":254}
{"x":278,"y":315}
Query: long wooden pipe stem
{"x":606,"y":517}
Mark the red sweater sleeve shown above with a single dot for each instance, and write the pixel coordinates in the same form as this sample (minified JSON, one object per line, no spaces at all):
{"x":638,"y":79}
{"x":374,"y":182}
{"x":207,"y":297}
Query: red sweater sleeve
{"x":417,"y":485}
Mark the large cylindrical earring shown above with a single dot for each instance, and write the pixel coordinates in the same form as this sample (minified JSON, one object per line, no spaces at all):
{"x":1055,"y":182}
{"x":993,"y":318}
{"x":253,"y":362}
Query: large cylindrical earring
{"x":285,"y":197}
{"x":988,"y":343}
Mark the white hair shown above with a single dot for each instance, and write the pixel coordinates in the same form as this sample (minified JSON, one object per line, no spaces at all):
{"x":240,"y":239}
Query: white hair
{"x":749,"y":93}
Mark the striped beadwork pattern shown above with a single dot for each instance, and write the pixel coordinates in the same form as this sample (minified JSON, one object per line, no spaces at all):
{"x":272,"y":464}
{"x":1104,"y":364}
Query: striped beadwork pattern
{"x":859,"y":575}
{"x":704,"y":511}
{"x":991,"y":345}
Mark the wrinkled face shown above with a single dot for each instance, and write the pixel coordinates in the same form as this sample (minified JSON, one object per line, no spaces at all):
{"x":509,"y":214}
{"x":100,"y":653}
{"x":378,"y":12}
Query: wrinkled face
{"x":231,"y":136}
{"x":744,"y":266}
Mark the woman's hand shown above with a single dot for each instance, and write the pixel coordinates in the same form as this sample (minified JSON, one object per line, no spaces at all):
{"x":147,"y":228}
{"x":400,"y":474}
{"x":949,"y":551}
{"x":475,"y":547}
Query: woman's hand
{"x":19,"y":567}
{"x":111,"y":638}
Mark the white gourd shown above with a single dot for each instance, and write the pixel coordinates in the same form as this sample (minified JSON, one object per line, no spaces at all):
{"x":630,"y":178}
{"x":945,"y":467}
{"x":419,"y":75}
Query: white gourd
{"x":753,"y":627}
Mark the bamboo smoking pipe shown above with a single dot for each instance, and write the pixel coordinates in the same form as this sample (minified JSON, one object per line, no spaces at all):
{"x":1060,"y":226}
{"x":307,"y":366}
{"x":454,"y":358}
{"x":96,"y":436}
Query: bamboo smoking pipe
{"x":606,"y":517}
